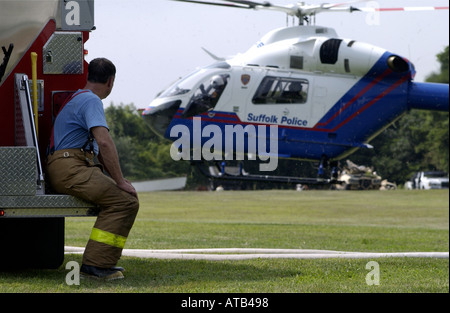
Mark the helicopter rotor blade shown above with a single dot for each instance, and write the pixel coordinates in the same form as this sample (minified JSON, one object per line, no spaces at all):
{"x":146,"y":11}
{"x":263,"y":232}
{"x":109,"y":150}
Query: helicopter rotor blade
{"x":291,"y":10}
{"x":215,"y":3}
{"x":348,"y":3}
{"x":302,"y":11}
{"x":375,"y":9}
{"x":252,"y":4}
{"x":248,"y":5}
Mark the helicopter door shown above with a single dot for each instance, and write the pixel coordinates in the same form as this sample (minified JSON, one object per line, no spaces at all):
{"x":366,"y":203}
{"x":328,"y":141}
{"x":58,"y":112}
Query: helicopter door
{"x":282,"y":100}
{"x":319,"y":101}
{"x":245,"y":83}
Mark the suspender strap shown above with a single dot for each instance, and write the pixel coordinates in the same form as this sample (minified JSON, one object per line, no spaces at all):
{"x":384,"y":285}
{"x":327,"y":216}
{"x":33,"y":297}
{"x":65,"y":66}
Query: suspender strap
{"x":51,"y":148}
{"x":89,"y":144}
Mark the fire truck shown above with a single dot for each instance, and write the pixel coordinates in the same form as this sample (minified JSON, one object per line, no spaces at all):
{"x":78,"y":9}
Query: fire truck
{"x":43,"y":63}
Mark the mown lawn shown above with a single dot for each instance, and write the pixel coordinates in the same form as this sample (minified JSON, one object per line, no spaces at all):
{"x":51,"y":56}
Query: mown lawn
{"x":372,"y":221}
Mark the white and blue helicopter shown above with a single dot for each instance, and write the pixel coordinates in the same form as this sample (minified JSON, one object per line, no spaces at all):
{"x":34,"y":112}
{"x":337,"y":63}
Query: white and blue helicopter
{"x":301,"y":92}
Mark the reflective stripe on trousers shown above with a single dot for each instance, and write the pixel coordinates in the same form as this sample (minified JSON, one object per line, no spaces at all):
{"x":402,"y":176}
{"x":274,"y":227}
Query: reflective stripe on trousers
{"x":108,"y":238}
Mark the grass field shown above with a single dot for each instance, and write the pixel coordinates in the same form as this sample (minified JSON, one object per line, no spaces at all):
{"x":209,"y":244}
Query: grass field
{"x":372,"y":221}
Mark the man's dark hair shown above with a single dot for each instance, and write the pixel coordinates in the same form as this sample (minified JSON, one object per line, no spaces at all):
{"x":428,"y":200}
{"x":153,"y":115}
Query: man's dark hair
{"x":100,"y":70}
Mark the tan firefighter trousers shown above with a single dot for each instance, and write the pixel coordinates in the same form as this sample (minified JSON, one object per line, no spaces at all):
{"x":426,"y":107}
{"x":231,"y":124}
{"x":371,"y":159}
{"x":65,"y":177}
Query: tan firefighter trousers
{"x":73,"y":172}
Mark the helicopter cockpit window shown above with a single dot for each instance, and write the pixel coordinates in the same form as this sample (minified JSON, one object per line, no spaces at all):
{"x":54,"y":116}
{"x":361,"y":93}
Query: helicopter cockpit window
{"x":207,"y":95}
{"x":181,"y":87}
{"x":279,"y":90}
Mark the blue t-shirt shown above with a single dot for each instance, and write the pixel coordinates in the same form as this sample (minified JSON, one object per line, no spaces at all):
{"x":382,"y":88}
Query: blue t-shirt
{"x":73,"y":123}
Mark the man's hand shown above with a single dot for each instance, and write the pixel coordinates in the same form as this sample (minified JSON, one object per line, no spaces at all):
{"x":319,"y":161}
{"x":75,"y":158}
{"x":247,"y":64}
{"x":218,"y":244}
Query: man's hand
{"x":128,"y":187}
{"x":110,"y":160}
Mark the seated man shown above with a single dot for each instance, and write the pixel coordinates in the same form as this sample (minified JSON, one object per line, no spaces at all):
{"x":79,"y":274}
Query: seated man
{"x":293,"y":94}
{"x":80,"y":133}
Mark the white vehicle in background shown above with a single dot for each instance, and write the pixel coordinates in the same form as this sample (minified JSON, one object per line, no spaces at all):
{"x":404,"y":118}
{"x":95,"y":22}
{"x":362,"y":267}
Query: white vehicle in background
{"x":428,"y":180}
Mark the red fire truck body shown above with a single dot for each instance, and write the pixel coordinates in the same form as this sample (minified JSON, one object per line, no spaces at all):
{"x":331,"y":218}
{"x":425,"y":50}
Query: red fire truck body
{"x":43,"y":63}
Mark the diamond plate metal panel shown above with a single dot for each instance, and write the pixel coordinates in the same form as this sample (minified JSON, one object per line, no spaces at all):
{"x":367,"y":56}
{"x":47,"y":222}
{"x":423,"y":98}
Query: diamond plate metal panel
{"x":47,"y":212}
{"x":17,"y":171}
{"x":63,"y":53}
{"x":45,"y":206}
{"x":44,"y":201}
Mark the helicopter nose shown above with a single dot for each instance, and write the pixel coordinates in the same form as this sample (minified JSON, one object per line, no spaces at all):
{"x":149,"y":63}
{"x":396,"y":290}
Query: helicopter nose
{"x":159,"y":117}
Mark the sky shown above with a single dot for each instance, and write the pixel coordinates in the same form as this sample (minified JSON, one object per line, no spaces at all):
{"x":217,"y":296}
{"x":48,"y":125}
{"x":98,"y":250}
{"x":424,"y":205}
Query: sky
{"x":155,"y":42}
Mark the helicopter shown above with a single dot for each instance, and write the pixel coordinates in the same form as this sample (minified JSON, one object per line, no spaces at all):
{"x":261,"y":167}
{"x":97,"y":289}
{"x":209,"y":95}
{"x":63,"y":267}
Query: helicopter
{"x":301,"y":92}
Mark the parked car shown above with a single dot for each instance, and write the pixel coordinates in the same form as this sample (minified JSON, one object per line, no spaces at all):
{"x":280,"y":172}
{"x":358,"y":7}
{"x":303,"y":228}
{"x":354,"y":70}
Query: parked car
{"x":428,"y":180}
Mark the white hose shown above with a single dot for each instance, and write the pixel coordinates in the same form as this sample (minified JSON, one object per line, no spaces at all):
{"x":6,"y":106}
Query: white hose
{"x":254,"y":253}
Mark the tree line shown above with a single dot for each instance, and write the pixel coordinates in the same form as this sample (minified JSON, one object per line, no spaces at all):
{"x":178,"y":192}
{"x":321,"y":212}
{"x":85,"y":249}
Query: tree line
{"x":416,"y":142}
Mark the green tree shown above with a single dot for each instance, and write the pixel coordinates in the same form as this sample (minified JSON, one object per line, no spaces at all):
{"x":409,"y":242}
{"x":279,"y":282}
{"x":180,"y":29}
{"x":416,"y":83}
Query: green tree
{"x":443,"y":76}
{"x":142,"y":154}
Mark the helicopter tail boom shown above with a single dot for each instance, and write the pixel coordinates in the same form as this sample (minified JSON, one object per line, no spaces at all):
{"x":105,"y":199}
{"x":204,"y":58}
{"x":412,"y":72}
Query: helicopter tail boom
{"x":429,"y":96}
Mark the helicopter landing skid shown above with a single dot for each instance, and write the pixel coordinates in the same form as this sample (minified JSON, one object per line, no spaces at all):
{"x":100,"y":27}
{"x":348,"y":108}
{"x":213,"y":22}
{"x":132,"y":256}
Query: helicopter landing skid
{"x":221,"y":172}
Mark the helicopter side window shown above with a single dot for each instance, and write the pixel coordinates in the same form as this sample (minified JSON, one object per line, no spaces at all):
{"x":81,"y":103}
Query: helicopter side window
{"x":206,"y":96}
{"x":279,"y":90}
